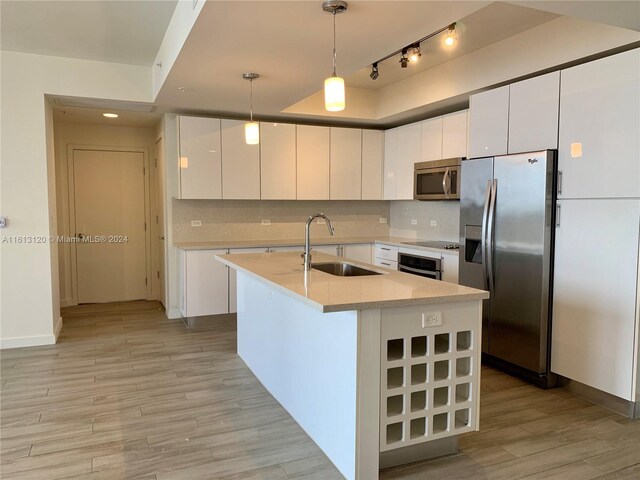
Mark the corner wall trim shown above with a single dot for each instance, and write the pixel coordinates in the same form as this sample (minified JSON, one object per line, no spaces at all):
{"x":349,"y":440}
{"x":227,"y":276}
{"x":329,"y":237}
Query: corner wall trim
{"x":173,"y":314}
{"x":56,"y":329}
{"x":18,"y":342}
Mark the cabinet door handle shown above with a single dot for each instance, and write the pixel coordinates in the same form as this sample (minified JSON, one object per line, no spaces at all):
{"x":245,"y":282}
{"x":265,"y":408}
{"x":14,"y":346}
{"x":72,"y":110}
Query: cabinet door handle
{"x":387,"y":264}
{"x":558,"y":210}
{"x":559,"y":182}
{"x":387,"y":249}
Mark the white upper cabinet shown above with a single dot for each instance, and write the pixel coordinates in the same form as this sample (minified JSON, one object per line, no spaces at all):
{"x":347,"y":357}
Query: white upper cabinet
{"x":240,"y":163}
{"x":389,"y":183}
{"x":599,"y":125}
{"x":278,"y":161}
{"x":346,"y":164}
{"x":409,"y":151}
{"x":200,"y":158}
{"x":454,"y":134}
{"x":431,"y":139}
{"x":372,"y":164}
{"x":489,"y":123}
{"x":313,"y":162}
{"x":533,"y":113}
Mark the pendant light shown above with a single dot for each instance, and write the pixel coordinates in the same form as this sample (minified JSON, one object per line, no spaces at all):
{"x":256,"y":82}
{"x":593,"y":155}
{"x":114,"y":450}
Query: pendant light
{"x":334,"y":100}
{"x":251,"y":128}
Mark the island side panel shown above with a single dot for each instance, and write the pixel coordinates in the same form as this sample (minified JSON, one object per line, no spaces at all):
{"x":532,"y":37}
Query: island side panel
{"x":308,"y":361}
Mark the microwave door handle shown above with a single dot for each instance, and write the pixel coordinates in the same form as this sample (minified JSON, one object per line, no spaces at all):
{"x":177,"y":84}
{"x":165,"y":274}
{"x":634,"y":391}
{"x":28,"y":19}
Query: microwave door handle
{"x":444,"y":182}
{"x":483,"y":245}
{"x":490,"y":235}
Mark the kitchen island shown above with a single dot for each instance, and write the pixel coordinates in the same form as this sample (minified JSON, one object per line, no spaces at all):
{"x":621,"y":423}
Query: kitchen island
{"x":379,"y":370}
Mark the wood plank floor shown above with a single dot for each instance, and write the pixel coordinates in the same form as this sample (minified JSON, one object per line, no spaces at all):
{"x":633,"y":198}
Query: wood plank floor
{"x":128,"y":394}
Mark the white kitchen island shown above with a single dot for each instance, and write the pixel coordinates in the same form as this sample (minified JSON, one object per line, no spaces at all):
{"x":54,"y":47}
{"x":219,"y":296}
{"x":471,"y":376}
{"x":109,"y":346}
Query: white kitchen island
{"x":378,"y":370}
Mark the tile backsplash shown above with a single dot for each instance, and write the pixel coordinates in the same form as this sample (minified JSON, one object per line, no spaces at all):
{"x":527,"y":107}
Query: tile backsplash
{"x":445,"y":214}
{"x":243,"y":219}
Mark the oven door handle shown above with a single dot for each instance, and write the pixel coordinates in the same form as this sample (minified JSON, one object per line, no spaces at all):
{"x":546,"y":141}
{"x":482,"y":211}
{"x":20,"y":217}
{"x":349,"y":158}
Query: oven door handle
{"x":404,"y":268}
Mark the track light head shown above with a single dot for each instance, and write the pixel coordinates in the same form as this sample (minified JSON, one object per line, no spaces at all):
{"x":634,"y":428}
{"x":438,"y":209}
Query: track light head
{"x":451,"y":37}
{"x":404,"y":61}
{"x":416,"y":53}
{"x":374,"y":71}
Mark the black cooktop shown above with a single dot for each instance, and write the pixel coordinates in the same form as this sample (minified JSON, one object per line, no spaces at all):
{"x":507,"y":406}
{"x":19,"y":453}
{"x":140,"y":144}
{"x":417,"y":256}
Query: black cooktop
{"x":441,"y":245}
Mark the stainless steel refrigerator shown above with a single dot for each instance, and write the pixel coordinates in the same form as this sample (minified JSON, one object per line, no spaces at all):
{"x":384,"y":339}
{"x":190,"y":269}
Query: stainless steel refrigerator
{"x":507,"y":215}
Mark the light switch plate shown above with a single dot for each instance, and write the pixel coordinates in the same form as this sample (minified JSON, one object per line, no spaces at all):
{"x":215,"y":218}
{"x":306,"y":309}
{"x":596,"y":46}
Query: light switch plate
{"x":382,"y":220}
{"x":433,"y":223}
{"x":266,"y":222}
{"x":196,"y":223}
{"x":321,"y":221}
{"x":414,"y":221}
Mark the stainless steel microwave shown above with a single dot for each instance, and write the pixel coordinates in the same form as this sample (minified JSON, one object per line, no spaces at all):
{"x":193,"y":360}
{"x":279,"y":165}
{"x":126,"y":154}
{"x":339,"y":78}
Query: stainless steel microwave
{"x":437,"y":180}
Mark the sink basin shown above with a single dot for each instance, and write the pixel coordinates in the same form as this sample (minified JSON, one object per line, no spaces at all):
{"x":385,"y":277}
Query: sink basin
{"x":340,"y":269}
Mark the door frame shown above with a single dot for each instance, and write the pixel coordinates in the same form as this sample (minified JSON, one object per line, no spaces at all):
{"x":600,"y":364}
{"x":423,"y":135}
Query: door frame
{"x":71,"y":148}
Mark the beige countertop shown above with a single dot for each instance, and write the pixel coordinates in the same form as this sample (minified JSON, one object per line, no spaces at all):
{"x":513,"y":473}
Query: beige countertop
{"x":329,"y":293}
{"x":292,"y":242}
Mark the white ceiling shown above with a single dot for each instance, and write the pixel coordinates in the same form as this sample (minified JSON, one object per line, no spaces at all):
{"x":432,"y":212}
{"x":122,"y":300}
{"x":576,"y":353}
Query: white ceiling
{"x":289,"y":45}
{"x":123,"y":31}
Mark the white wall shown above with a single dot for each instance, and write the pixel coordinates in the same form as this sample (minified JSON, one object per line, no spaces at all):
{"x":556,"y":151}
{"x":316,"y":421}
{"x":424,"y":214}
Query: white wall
{"x":99,"y":136}
{"x":28,"y":280}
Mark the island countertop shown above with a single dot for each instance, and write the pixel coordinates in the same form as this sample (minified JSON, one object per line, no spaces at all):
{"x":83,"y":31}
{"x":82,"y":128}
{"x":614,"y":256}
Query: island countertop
{"x":329,"y":293}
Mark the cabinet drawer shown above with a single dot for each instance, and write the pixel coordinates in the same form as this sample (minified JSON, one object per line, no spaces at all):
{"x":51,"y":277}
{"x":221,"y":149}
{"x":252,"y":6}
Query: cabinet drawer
{"x":387,"y":252}
{"x":390,"y":264}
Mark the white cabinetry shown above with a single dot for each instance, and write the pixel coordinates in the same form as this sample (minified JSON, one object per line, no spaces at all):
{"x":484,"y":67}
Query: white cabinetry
{"x":313,"y":162}
{"x":409,"y":151}
{"x":599,"y":124}
{"x":358,"y":252}
{"x":454,"y":134}
{"x":390,"y":187}
{"x":594,"y":300}
{"x":431,"y":139}
{"x":372,"y":164}
{"x":346,"y":164}
{"x":205,"y":289}
{"x":330,"y":249}
{"x":233,"y":283}
{"x":240,"y":163}
{"x":450,"y":267}
{"x":533,"y":113}
{"x":200,"y":158}
{"x":489,"y":123}
{"x":277,"y":161}
{"x":386,"y":256}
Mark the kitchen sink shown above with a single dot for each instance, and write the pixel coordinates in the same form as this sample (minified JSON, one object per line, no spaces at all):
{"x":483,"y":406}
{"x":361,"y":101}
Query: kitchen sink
{"x":340,"y":269}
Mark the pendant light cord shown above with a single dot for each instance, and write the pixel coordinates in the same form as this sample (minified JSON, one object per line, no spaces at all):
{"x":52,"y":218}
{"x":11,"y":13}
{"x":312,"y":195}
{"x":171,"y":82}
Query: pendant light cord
{"x":334,"y":44}
{"x":251,"y":99}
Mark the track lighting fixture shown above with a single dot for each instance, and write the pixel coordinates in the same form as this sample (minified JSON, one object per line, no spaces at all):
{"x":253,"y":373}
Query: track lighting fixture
{"x":251,"y":128}
{"x":451,"y":37}
{"x":404,"y":61}
{"x":414,"y":51}
{"x":334,"y":97}
{"x":374,"y":71}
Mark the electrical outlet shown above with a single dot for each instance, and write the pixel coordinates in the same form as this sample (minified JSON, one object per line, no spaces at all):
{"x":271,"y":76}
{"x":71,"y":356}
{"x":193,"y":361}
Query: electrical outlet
{"x":321,"y":221}
{"x":382,"y":220}
{"x":432,"y":319}
{"x":196,"y":223}
{"x":414,"y":221}
{"x":433,"y":223}
{"x":266,"y":222}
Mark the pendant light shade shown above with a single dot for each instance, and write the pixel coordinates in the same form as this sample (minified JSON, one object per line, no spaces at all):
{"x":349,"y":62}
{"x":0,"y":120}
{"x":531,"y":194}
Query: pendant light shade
{"x":252,"y":133}
{"x":251,"y":128}
{"x":334,"y":95}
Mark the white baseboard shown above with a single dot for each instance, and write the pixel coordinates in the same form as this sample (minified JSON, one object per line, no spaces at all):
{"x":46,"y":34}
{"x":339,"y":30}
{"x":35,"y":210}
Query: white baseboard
{"x":174,"y":313}
{"x":18,"y":342}
{"x":65,"y":302}
{"x":56,"y":328}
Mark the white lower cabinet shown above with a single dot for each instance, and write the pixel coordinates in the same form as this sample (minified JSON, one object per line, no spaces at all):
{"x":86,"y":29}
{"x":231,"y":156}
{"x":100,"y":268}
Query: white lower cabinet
{"x":205,"y":289}
{"x":383,"y":262}
{"x":358,"y":252}
{"x":450,"y":267}
{"x":386,"y":256}
{"x":330,"y":249}
{"x":594,"y":297}
{"x":233,"y":292}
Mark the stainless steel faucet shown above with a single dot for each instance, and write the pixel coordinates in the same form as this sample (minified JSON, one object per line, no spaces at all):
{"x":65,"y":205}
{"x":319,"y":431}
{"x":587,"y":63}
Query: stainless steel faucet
{"x":307,"y":247}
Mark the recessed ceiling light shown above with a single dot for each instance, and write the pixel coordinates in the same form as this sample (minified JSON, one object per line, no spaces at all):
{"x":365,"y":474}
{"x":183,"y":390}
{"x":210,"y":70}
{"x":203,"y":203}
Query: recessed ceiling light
{"x":110,"y":115}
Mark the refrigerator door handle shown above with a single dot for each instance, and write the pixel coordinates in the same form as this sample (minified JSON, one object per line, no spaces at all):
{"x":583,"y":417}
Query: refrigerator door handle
{"x":490,"y":225}
{"x":446,"y":184}
{"x":485,"y":215}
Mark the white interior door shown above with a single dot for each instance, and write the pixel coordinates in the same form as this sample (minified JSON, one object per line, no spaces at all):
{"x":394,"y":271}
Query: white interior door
{"x":110,"y":216}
